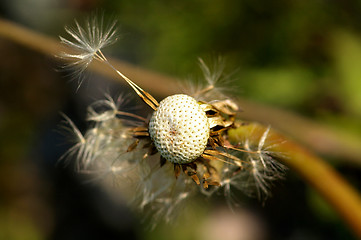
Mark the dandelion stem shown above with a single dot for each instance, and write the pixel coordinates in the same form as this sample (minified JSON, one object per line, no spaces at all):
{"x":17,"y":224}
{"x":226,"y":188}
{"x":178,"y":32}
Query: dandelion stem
{"x":131,"y":115}
{"x":146,"y":97}
{"x":241,"y":150}
{"x":204,"y":90}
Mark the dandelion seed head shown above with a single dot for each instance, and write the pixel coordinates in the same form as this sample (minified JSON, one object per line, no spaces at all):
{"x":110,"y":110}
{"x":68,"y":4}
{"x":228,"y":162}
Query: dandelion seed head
{"x":179,"y":129}
{"x":190,"y":132}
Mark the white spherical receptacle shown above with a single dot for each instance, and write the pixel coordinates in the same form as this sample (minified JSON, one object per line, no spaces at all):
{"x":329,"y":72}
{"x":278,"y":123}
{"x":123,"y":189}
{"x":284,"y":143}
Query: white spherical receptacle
{"x":179,"y":129}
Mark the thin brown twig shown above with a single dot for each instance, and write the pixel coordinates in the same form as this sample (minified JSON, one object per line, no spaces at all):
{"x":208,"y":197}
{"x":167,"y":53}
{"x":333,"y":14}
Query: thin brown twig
{"x":317,"y":137}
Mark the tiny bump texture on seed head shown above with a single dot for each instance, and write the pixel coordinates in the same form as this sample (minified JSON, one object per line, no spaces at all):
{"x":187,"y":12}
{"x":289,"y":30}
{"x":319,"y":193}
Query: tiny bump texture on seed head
{"x":179,"y":129}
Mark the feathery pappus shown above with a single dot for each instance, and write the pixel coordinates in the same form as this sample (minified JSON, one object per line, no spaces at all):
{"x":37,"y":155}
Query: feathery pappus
{"x":182,"y":149}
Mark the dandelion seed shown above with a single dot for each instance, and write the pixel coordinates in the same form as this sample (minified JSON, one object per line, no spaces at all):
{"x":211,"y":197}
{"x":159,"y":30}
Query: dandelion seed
{"x":189,"y":133}
{"x":214,"y":85}
{"x":86,"y":43}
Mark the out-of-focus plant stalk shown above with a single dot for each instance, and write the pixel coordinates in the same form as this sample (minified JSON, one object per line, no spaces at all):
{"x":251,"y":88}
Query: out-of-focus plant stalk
{"x":319,"y":174}
{"x":338,"y":193}
{"x":315,"y":136}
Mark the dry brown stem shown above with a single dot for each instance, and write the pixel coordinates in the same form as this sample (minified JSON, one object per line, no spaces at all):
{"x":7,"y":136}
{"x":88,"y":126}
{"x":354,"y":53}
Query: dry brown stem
{"x":319,"y":174}
{"x":317,"y":137}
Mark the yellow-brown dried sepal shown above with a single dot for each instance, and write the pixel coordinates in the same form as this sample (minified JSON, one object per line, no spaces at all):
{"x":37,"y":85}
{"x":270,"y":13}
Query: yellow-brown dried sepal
{"x":207,"y":181}
{"x":133,"y":145}
{"x":191,"y":171}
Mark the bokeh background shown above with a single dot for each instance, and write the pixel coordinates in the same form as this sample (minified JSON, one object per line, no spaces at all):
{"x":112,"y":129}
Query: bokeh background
{"x":299,"y":56}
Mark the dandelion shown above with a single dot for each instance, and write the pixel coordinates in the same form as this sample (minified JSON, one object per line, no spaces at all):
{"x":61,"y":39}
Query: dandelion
{"x":182,"y":149}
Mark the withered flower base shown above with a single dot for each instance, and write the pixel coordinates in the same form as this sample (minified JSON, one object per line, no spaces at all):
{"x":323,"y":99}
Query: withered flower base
{"x":189,"y":131}
{"x":190,"y":135}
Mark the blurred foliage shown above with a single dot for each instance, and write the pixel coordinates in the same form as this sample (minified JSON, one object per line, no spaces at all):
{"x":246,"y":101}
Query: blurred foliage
{"x":346,"y":53}
{"x":288,"y":53}
{"x":10,"y":223}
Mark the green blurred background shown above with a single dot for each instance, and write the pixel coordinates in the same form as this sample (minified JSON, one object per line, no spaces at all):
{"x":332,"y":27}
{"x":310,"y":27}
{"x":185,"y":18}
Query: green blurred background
{"x":300,"y":56}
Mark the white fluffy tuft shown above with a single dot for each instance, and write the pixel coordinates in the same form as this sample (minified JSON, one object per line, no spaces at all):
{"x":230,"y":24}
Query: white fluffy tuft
{"x":85,"y":42}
